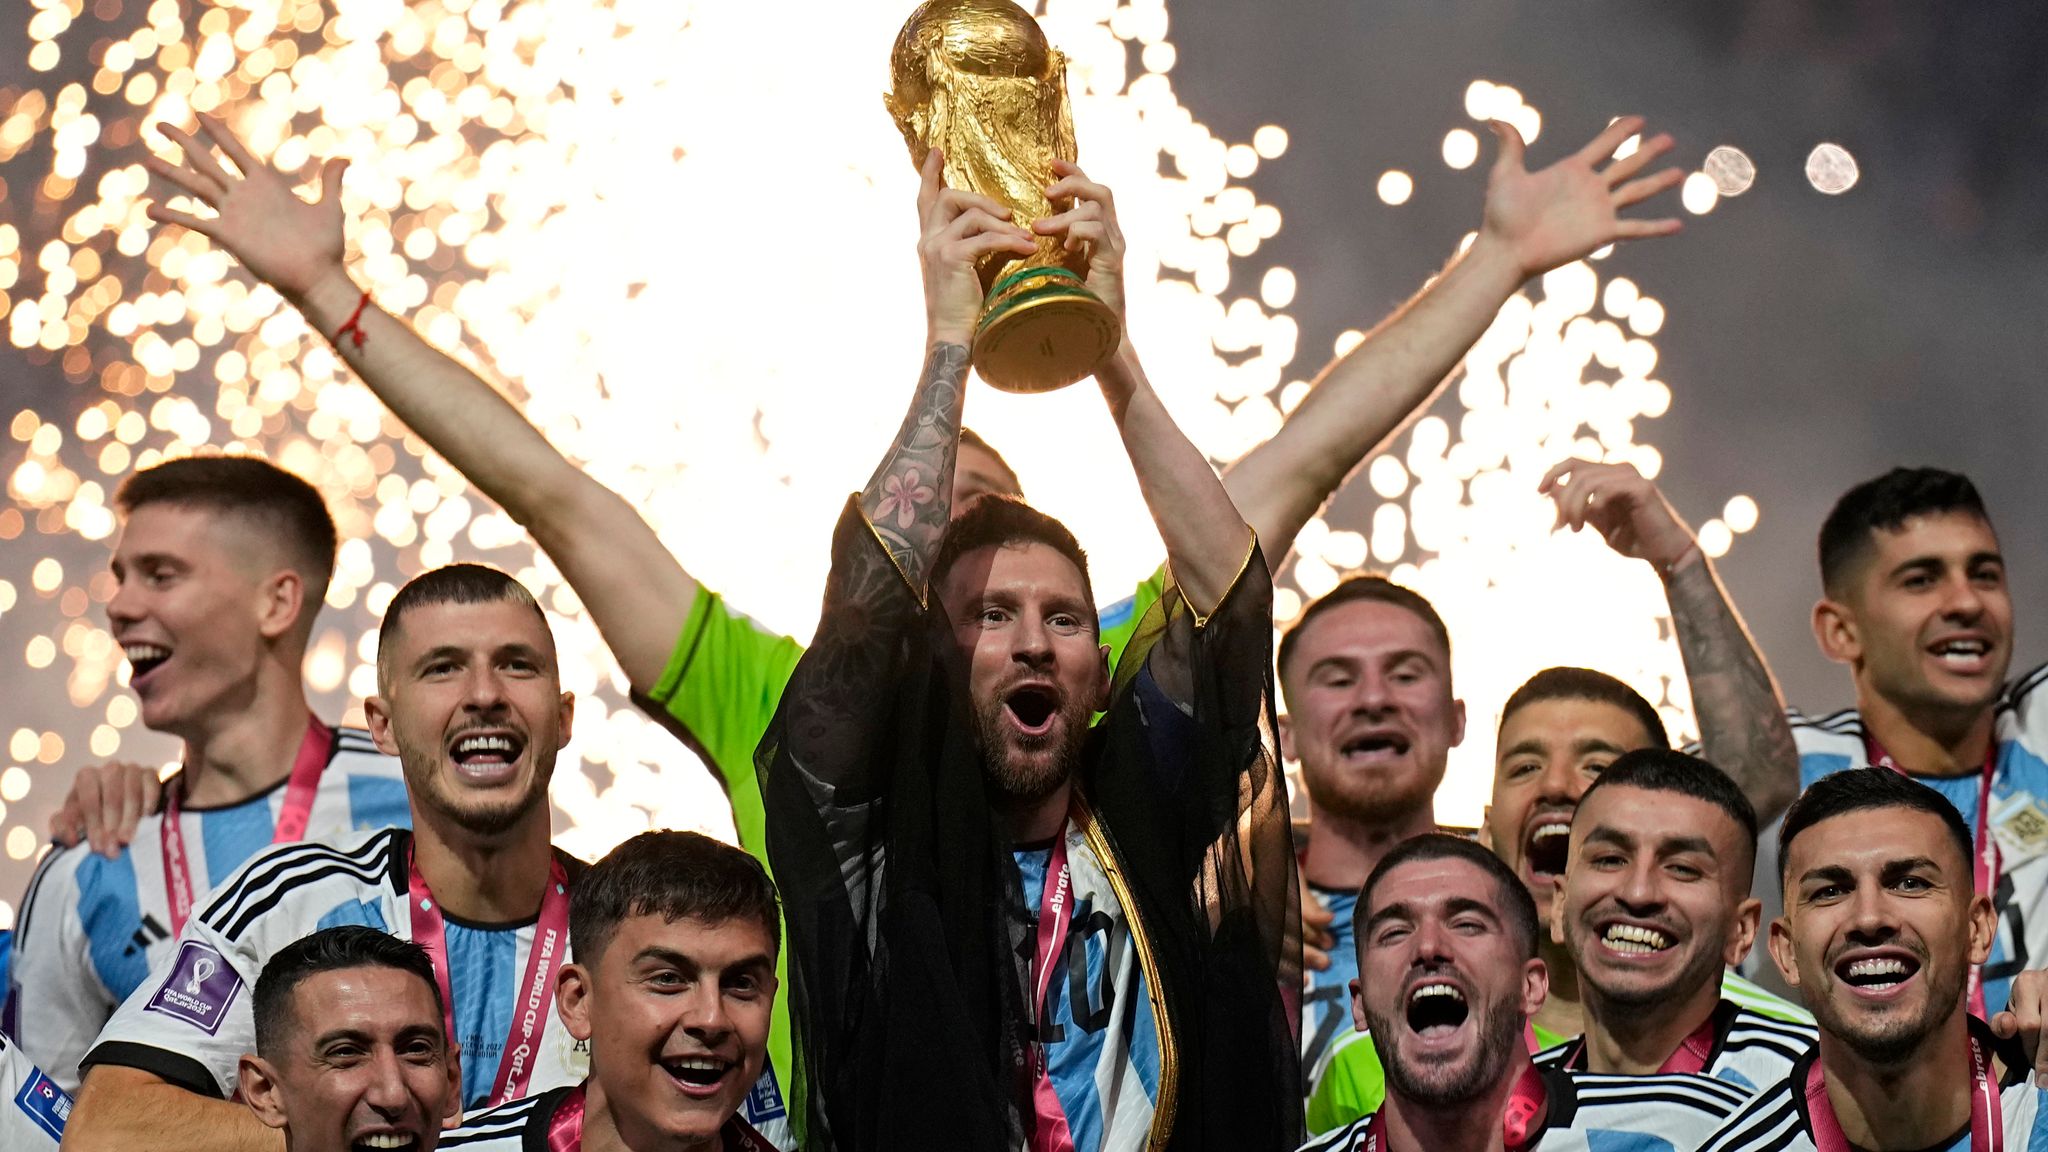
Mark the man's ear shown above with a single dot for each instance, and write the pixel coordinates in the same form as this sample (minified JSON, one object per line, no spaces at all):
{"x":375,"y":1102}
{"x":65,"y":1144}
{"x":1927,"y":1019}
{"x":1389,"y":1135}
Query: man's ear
{"x":1358,"y":1020}
{"x":1535,"y":987}
{"x":256,"y":1082}
{"x":1458,"y":719}
{"x":1485,"y":836}
{"x":568,"y":719}
{"x":572,"y":999}
{"x":1835,"y":630}
{"x":1782,"y":953}
{"x":1101,"y":701}
{"x":377,"y":716}
{"x":1983,"y":927}
{"x":1742,"y":933}
{"x":1286,"y":734}
{"x":280,"y":603}
{"x":1557,"y":910}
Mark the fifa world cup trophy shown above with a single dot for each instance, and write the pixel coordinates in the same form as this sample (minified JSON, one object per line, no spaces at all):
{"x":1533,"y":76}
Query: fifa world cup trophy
{"x":977,"y":80}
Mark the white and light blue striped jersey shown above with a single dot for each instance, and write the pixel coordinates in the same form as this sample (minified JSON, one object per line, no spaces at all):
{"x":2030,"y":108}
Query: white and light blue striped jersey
{"x":1104,"y":1051}
{"x":1326,"y":1006}
{"x":2019,"y":810}
{"x":191,"y":1021}
{"x":1776,"y":1120}
{"x":522,"y":1126}
{"x":33,"y":1108}
{"x":92,"y":929}
{"x":1590,"y":1112}
{"x":1751,"y":1050}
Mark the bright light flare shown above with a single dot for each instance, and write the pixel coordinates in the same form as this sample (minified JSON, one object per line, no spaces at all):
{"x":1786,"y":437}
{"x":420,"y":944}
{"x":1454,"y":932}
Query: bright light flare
{"x":1831,"y":170}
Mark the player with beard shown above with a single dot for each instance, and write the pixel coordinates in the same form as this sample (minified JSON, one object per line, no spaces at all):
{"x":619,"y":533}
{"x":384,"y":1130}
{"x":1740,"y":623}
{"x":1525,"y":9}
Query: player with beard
{"x":1882,"y":927}
{"x":673,"y":990}
{"x":469,"y":698}
{"x":220,"y":568}
{"x":1655,"y":908}
{"x":1558,"y":733}
{"x":350,"y":1054}
{"x":1449,"y":977}
{"x":1007,"y":929}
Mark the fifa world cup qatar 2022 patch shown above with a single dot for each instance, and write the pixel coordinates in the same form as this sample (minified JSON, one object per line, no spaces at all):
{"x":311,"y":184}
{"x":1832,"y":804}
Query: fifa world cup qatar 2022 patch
{"x":201,"y":987}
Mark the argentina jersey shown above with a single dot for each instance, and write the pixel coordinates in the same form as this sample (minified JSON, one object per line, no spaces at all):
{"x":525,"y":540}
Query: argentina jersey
{"x":1326,"y":1006}
{"x":527,"y":1124}
{"x":191,"y":1021}
{"x":1751,"y":1050}
{"x":92,"y":929}
{"x":1100,"y":1032}
{"x":1777,"y":1120}
{"x":1590,"y":1112}
{"x":33,"y":1108}
{"x":2019,"y":820}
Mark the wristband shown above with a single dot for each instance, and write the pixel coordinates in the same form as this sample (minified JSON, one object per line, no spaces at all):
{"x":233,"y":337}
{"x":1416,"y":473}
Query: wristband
{"x":353,"y":326}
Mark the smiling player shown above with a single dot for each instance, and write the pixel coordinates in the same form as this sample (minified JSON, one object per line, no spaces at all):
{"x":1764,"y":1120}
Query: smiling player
{"x":673,"y":993}
{"x":470,"y":699}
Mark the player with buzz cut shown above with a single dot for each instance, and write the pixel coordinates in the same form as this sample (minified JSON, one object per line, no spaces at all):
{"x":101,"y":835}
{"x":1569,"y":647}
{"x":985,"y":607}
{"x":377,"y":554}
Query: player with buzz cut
{"x":673,"y":989}
{"x":1655,"y":908}
{"x":220,"y":567}
{"x":1448,"y":979}
{"x":1883,"y":927}
{"x":470,"y":699}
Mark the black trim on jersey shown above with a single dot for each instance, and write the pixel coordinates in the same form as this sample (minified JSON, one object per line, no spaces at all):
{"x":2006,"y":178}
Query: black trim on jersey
{"x":1842,"y":722}
{"x":529,"y":1118}
{"x":162,"y":1063}
{"x":272,"y":873}
{"x":35,"y":882}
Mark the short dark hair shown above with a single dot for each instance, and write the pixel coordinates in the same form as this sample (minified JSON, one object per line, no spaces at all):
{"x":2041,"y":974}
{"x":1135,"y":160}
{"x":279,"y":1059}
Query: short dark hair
{"x":1886,"y":503}
{"x":1566,"y":683}
{"x":280,"y":505}
{"x":674,"y":875}
{"x":448,"y":584}
{"x":1518,"y":908}
{"x":1666,"y":770}
{"x":1001,"y":521}
{"x":1861,"y":790}
{"x":1374,"y":587}
{"x":331,"y":950}
{"x":971,"y":438}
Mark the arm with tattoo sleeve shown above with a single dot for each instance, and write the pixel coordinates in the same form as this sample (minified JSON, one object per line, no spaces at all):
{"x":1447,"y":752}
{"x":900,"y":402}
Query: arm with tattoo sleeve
{"x":1740,"y":710}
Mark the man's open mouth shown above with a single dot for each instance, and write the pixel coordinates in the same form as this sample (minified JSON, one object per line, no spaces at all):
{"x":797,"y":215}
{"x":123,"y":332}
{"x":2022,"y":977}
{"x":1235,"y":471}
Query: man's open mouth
{"x":1878,"y":974}
{"x":1436,"y":1009}
{"x":144,"y":659}
{"x":486,"y":753}
{"x":384,"y":1142}
{"x":1636,"y":939}
{"x":697,"y":1075}
{"x":1548,"y":847}
{"x":1962,"y":653}
{"x":1033,"y":707}
{"x":1375,"y":746}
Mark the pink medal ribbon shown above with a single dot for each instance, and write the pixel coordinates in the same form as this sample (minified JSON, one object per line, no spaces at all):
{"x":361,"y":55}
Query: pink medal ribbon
{"x":314,"y":752}
{"x":1987,"y":1122}
{"x":1986,"y":866}
{"x":1693,"y":1053}
{"x":1049,"y":1132}
{"x":536,"y":988}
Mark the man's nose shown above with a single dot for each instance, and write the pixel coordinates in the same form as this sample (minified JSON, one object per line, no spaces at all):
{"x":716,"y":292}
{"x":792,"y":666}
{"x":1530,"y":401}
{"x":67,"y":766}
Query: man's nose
{"x":385,"y":1090}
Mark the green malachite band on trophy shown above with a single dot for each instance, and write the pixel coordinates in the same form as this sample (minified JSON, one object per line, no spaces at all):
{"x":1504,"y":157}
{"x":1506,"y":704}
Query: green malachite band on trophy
{"x":1035,"y":270}
{"x":1042,"y":292}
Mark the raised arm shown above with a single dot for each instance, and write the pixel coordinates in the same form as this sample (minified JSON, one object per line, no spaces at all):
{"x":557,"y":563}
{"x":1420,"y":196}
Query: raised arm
{"x":1740,"y":710}
{"x":1533,"y":222}
{"x":909,"y":500}
{"x":638,"y":595}
{"x":1206,"y":540}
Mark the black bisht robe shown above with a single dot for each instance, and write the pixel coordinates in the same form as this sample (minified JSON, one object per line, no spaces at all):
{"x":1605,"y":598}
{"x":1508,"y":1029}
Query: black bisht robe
{"x":902,"y":897}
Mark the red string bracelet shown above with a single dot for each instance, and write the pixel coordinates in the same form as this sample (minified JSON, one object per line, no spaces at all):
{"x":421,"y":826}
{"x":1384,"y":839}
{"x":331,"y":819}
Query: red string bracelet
{"x":353,"y":326}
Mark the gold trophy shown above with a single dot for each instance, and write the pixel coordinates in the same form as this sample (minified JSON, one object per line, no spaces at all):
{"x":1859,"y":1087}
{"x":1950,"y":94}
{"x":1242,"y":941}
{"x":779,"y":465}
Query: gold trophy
{"x":976,"y":79}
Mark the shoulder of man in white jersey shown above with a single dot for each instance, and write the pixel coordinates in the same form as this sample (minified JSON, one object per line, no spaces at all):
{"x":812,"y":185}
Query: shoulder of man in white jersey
{"x":284,"y":880}
{"x":503,"y":1129}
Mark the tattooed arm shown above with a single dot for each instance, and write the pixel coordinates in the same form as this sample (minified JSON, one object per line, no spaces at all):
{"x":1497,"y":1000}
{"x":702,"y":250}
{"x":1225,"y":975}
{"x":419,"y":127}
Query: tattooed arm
{"x":909,"y":500}
{"x":1741,"y":712}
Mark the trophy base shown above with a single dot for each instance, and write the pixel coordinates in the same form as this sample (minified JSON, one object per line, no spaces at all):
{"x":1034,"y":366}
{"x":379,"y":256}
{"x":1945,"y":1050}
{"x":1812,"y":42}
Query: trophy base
{"x":1042,"y":329}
